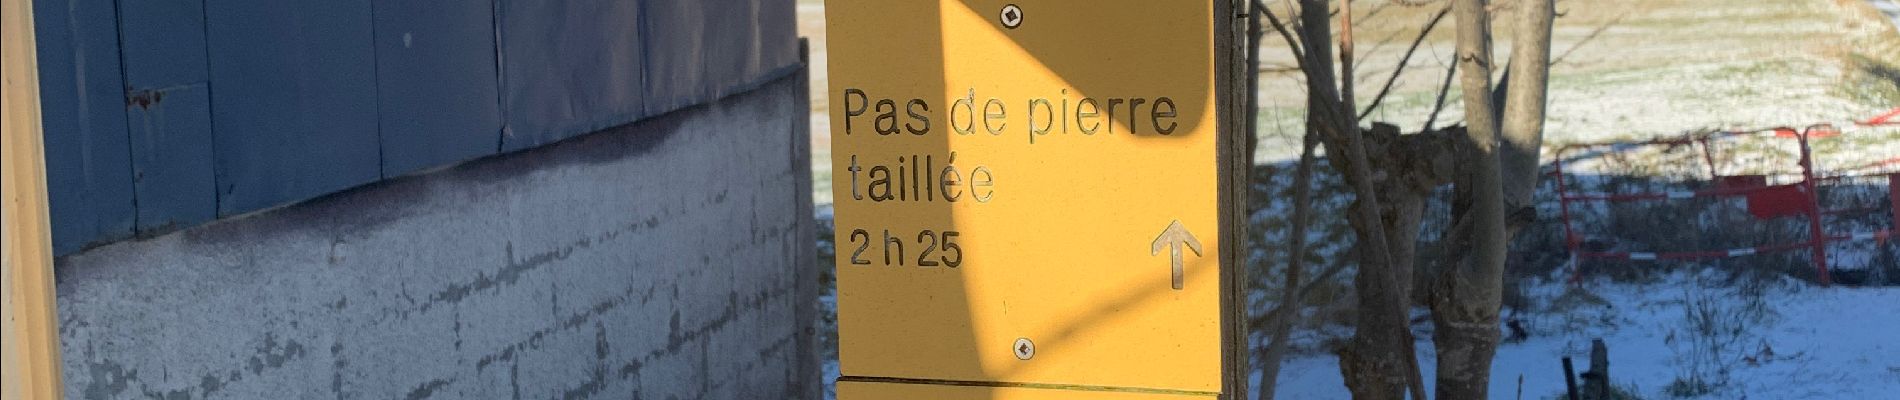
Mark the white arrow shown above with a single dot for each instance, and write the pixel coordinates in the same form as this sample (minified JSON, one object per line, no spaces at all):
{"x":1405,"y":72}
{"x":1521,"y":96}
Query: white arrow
{"x":1172,"y":238}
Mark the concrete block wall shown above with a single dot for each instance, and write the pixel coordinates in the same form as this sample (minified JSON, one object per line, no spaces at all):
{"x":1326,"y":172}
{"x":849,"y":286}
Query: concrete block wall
{"x":667,"y":259}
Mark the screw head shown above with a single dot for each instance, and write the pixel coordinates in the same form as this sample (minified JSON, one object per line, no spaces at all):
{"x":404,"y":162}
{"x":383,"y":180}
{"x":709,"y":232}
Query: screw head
{"x":1024,"y":349}
{"x":1012,"y":16}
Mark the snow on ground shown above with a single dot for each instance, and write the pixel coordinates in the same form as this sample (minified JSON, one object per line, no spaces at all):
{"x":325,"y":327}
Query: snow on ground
{"x":1809,"y":343}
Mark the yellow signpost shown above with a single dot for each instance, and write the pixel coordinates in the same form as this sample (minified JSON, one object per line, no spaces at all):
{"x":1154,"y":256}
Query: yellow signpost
{"x":1036,"y":199}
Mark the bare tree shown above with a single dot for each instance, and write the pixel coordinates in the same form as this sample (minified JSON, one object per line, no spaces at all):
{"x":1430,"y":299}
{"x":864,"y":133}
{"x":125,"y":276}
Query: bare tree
{"x":1378,"y":361}
{"x":1492,"y":204}
{"x":1392,"y":175}
{"x":1465,"y":303}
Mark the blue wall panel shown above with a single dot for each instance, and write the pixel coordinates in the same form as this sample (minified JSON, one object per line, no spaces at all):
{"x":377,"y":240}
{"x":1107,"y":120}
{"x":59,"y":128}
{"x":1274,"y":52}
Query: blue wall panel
{"x":171,"y":158}
{"x":569,"y":67}
{"x":82,"y":100}
{"x":164,"y":42}
{"x":731,"y":47}
{"x":678,"y":48}
{"x":168,"y":112}
{"x":295,"y":110}
{"x":702,"y":50}
{"x":777,"y":22}
{"x":435,"y":82}
{"x":227,"y":106}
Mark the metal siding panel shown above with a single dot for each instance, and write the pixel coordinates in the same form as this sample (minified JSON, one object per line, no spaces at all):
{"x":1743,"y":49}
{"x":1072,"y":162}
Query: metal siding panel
{"x":295,"y":111}
{"x":570,"y":67}
{"x":732,"y":46}
{"x":777,"y":34}
{"x":436,"y":83}
{"x":702,"y":50}
{"x":677,"y":46}
{"x":164,"y":42}
{"x":89,"y":176}
{"x":171,"y":158}
{"x":168,"y":112}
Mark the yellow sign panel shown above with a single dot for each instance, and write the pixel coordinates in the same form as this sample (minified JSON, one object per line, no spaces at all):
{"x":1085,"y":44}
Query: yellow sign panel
{"x":1032,"y":193}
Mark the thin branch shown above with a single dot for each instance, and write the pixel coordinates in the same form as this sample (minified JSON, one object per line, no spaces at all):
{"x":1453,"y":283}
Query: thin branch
{"x":1451,"y":69}
{"x":1379,"y":45}
{"x":1373,"y":13}
{"x":1407,"y":59}
{"x":1278,"y":68}
{"x":1331,"y":272}
{"x":1294,"y":21}
{"x":1347,"y":92}
{"x":1589,"y":38}
{"x":1302,"y":291}
{"x":1292,"y":42}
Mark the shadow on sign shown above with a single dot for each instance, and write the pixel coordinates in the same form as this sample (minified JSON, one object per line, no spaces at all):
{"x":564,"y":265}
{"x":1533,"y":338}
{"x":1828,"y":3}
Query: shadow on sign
{"x":1093,"y":128}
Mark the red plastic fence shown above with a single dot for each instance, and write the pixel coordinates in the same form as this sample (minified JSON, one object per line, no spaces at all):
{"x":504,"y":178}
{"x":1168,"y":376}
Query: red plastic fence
{"x":1890,"y":118}
{"x":1764,"y":201}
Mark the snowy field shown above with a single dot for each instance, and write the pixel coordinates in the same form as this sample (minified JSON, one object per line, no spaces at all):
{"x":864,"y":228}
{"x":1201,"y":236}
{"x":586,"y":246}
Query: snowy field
{"x":1809,"y":343}
{"x":1638,"y":69}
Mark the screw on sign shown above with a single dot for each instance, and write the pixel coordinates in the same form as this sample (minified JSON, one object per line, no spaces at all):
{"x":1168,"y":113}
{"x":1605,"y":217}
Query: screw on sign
{"x":1024,"y":349}
{"x":1012,"y":16}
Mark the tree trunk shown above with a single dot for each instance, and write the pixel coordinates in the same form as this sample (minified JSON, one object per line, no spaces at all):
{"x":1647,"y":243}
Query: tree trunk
{"x":1465,"y":310}
{"x":1280,"y":324}
{"x":1524,"y":108}
{"x":1391,"y":175}
{"x":1375,"y":361}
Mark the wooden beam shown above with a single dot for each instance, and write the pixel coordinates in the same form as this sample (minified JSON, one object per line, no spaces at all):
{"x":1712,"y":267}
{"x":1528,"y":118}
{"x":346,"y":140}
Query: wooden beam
{"x":29,"y":339}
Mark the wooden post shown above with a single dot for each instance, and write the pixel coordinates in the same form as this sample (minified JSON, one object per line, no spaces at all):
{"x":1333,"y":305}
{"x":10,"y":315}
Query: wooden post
{"x":1893,"y":194}
{"x":1816,"y":235}
{"x":1596,"y":382}
{"x":29,"y":340}
{"x":1570,"y":380}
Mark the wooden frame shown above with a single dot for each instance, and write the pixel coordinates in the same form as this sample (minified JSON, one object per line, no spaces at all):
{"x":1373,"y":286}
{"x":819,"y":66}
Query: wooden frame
{"x":1230,"y":41}
{"x":29,"y":341}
